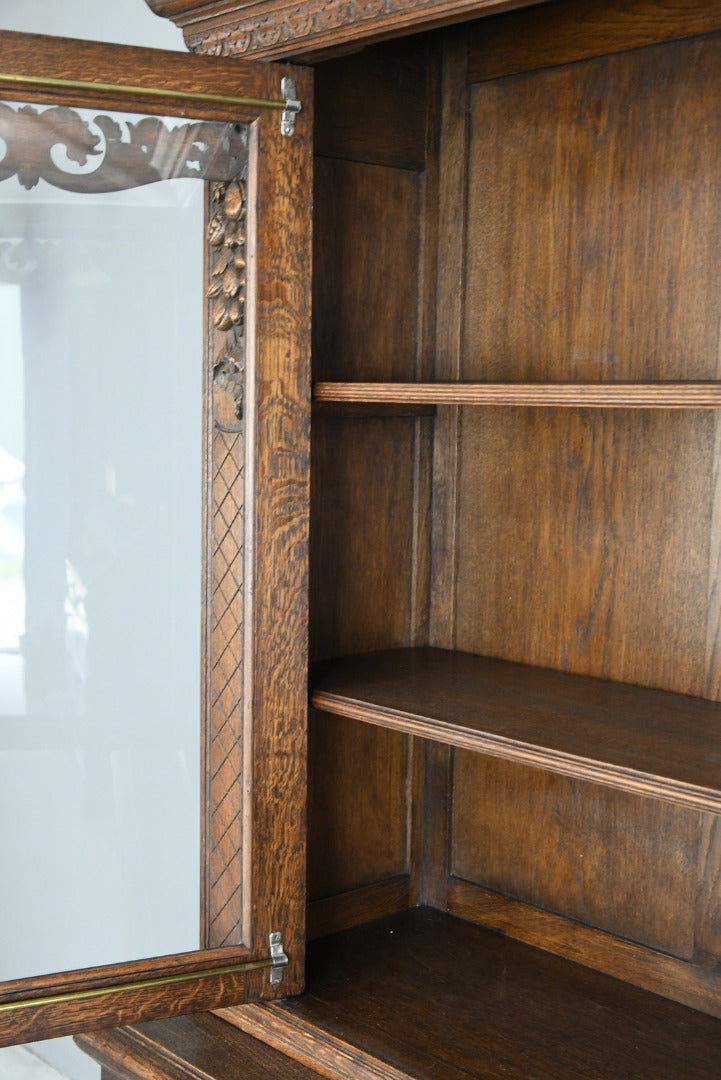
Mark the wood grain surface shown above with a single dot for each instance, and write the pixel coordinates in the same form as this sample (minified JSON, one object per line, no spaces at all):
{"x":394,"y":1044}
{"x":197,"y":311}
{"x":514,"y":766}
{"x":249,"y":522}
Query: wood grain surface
{"x":584,"y":541}
{"x":357,"y":805}
{"x":361,"y":572}
{"x":629,"y":737}
{"x":365,"y":256}
{"x":593,"y":233}
{"x":476,"y":1004}
{"x":571,"y":30}
{"x":277,"y":418}
{"x":585,"y":537}
{"x":601,"y":395}
{"x":642,"y":967}
{"x":304,"y":27}
{"x":347,"y":909}
{"x":604,"y":858}
{"x":197,"y":1046}
{"x":96,"y":62}
{"x":386,"y":85}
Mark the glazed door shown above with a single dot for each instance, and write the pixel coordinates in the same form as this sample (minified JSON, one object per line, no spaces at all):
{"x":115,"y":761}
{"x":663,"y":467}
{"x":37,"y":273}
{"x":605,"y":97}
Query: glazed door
{"x":153,"y":530}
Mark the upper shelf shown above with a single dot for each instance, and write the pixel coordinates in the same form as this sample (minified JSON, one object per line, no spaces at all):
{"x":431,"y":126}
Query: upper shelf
{"x":655,"y":395}
{"x":650,"y":742}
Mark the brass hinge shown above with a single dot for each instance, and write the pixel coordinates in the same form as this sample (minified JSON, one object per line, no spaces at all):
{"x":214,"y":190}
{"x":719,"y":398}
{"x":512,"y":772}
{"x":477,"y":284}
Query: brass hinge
{"x":278,"y":957}
{"x":292,"y":106}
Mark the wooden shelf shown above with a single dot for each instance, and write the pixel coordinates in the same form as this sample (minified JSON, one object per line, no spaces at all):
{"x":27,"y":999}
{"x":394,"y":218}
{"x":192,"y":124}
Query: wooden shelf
{"x":646,"y":741}
{"x":670,"y":395}
{"x":421,"y":995}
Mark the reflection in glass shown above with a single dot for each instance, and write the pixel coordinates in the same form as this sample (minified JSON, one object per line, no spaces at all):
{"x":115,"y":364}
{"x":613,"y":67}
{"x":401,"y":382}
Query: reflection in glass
{"x":100,"y":547}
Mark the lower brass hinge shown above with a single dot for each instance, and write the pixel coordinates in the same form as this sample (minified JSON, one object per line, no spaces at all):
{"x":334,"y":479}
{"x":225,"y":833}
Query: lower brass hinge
{"x":278,"y":958}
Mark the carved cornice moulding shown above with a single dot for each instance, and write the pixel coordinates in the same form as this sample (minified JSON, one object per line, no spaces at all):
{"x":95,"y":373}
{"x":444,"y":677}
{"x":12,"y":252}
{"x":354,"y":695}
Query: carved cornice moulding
{"x":268,"y":29}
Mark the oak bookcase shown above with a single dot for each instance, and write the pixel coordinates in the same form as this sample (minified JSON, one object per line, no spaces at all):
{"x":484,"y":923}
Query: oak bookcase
{"x":513,"y":831}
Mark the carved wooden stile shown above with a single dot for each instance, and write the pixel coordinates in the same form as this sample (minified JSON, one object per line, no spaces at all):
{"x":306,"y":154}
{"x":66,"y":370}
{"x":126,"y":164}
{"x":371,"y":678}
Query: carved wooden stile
{"x":225,"y":771}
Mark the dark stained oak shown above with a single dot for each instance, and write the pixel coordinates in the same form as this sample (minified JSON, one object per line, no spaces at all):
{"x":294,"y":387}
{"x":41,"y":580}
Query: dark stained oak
{"x":275,"y":611}
{"x":97,"y":62}
{"x":592,"y":256}
{"x":632,"y":738}
{"x":347,"y":909}
{"x":387,"y":87}
{"x":645,"y":968}
{"x":601,"y":395}
{"x":593,"y":235}
{"x":197,"y":1046}
{"x":602,"y":857}
{"x":51,"y":1016}
{"x":522,"y":212}
{"x":427,"y":996}
{"x":357,"y":813}
{"x":365,"y":260}
{"x":361,"y":543}
{"x":348,"y":409}
{"x":264,"y":29}
{"x":571,"y":30}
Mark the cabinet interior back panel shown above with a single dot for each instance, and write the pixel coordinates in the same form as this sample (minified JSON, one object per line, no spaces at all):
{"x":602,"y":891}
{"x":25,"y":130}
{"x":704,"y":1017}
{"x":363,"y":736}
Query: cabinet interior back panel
{"x":361,"y":541}
{"x":366,"y":255}
{"x":594,"y":223}
{"x":357,"y":809}
{"x":625,"y":864}
{"x":594,"y":253}
{"x":584,"y":542}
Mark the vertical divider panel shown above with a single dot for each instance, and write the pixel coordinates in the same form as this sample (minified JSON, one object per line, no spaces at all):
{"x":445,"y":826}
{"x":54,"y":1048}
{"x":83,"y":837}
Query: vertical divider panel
{"x":451,"y":173}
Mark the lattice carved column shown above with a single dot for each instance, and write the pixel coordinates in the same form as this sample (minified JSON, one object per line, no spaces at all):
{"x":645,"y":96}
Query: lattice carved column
{"x":225,"y":767}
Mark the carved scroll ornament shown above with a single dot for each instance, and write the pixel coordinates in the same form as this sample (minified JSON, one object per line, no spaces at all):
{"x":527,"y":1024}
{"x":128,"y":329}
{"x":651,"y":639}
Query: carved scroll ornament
{"x":129,"y":155}
{"x":265,"y":29}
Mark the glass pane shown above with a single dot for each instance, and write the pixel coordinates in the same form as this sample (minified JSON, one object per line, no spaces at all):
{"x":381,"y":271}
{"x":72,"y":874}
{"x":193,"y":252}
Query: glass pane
{"x":101,"y":345}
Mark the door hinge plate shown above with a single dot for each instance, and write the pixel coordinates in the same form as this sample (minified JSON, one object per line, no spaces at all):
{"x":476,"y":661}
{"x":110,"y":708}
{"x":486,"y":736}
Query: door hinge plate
{"x":291,"y":108}
{"x":278,"y":957}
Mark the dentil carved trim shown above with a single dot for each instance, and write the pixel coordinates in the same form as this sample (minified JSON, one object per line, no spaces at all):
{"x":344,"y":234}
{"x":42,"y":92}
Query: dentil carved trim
{"x":226,"y":293}
{"x":130,"y":154}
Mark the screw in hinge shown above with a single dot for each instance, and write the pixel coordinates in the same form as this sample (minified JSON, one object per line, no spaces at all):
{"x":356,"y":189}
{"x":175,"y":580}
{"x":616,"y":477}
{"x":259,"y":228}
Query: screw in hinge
{"x":292,"y":106}
{"x":278,"y":957}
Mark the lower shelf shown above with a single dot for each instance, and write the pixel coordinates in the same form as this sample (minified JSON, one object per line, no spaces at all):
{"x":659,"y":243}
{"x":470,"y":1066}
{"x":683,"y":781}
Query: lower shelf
{"x":426,"y":996}
{"x":650,"y":742}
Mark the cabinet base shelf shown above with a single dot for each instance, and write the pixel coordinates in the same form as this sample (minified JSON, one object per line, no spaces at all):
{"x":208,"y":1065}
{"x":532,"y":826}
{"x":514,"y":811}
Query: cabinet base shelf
{"x":423,"y":995}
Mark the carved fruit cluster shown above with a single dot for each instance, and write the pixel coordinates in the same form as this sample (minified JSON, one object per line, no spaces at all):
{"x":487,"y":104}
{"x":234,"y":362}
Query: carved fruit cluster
{"x":226,"y":233}
{"x":226,"y":292}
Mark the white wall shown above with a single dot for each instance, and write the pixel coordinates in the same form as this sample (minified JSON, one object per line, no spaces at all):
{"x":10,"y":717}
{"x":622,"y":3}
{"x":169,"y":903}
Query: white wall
{"x":127,"y":22}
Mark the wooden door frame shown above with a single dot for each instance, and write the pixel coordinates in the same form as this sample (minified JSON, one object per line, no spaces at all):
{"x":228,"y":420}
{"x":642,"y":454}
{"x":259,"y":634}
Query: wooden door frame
{"x":254,"y":785}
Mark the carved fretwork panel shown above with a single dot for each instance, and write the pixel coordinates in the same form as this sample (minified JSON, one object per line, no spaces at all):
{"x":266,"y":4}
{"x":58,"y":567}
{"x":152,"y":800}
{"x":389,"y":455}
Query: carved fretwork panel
{"x":124,"y":154}
{"x":226,"y":764}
